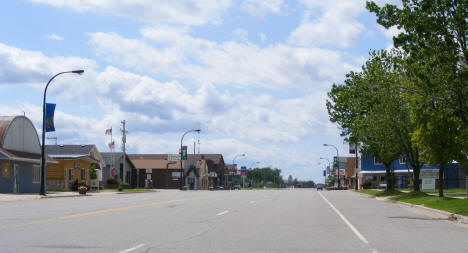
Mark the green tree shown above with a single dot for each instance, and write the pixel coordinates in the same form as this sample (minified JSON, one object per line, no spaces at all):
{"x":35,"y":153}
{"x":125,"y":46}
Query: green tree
{"x":434,"y":36}
{"x":369,"y":108}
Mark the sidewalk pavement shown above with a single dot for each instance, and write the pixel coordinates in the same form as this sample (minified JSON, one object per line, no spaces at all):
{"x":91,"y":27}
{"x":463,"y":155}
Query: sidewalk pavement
{"x":19,"y":197}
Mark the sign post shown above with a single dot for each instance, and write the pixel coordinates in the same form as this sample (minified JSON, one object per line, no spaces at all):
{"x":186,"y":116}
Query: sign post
{"x":428,"y":178}
{"x":243,"y":174}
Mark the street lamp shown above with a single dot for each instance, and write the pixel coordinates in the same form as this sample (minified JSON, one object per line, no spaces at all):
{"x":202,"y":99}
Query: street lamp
{"x":234,"y":160}
{"x":337,"y":158}
{"x":43,"y":176}
{"x":181,"y":170}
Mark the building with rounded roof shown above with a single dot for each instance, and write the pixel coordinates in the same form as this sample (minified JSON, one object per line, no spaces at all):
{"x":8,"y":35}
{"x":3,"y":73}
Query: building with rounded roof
{"x":20,"y":155}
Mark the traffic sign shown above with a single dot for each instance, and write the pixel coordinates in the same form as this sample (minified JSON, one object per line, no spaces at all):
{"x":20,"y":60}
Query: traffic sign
{"x":184,"y":153}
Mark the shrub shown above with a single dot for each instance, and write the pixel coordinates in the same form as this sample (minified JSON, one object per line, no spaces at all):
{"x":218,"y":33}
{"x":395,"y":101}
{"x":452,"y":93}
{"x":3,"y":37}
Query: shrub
{"x":92,"y":172}
{"x":74,"y":185}
{"x":366,"y":185}
{"x":111,"y":181}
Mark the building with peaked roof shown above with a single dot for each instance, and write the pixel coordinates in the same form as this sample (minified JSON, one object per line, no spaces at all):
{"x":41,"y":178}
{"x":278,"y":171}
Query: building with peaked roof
{"x":73,"y":165}
{"x":20,"y":155}
{"x":116,"y":160}
{"x":153,"y":167}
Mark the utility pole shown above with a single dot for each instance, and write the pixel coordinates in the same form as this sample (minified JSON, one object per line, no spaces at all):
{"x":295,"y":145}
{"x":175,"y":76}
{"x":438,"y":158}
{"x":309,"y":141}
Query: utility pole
{"x":124,"y":140}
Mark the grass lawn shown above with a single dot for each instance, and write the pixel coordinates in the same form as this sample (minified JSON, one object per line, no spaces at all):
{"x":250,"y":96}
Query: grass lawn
{"x":380,"y":193}
{"x":449,"y":192}
{"x":54,"y":191}
{"x":458,"y":206}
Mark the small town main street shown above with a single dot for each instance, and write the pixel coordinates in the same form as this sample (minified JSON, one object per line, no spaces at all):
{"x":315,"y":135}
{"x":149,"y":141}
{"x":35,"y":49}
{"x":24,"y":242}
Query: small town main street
{"x":224,"y":221}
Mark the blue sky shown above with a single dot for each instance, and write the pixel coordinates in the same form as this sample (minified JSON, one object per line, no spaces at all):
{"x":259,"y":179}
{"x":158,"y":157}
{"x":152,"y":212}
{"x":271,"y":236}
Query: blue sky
{"x":254,"y":74}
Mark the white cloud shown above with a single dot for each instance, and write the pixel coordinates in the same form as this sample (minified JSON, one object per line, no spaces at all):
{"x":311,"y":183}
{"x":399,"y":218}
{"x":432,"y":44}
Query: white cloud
{"x":151,"y":11}
{"x":54,"y":36}
{"x":23,"y":66}
{"x":327,"y":23}
{"x":241,"y":35}
{"x":260,"y":8}
{"x":229,"y":63}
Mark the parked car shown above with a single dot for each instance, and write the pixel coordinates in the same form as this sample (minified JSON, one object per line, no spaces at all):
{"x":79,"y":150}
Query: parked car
{"x":236,"y":187}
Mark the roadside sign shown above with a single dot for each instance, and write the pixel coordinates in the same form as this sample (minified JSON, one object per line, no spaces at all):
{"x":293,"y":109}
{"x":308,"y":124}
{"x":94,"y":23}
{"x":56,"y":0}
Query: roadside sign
{"x":184,"y":153}
{"x":173,"y":157}
{"x":428,"y":184}
{"x":324,"y":173}
{"x":429,"y":174}
{"x":244,"y":171}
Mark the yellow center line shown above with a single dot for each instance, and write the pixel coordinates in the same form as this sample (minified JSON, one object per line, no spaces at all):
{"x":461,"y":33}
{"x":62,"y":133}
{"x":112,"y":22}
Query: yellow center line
{"x":110,"y":210}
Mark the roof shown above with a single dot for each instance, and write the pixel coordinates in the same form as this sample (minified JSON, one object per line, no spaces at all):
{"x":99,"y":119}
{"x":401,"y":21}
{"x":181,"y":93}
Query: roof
{"x":115,"y":156}
{"x":70,"y":150}
{"x":147,"y":156}
{"x":154,"y":164}
{"x":4,"y":123}
{"x":216,"y":158}
{"x":18,"y":155}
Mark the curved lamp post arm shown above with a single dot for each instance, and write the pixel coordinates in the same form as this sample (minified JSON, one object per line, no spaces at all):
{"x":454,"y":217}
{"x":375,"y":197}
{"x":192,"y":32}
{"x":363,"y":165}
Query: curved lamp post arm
{"x":181,"y":141}
{"x":43,"y":176}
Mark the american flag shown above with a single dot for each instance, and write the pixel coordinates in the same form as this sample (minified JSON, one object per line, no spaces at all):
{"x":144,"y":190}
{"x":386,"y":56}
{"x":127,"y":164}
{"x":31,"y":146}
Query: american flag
{"x":109,"y":131}
{"x":111,"y":145}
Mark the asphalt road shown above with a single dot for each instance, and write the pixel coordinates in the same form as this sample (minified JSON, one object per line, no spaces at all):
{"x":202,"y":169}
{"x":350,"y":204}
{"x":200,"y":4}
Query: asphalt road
{"x":224,"y":221}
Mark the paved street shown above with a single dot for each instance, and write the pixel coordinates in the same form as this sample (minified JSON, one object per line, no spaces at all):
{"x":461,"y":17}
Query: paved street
{"x":223,"y":221}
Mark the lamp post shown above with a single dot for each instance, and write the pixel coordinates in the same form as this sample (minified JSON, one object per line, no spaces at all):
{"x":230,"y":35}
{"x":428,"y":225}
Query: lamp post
{"x":234,"y":160}
{"x":43,"y":176}
{"x":329,"y":164}
{"x":338,"y":159}
{"x":181,"y":170}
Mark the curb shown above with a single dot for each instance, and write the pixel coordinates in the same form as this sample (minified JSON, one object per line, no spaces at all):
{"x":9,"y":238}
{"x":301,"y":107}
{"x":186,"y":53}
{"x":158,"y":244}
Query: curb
{"x":63,"y":196}
{"x":447,"y":215}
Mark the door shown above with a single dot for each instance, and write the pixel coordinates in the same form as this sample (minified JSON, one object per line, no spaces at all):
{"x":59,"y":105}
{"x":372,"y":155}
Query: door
{"x":16,"y":178}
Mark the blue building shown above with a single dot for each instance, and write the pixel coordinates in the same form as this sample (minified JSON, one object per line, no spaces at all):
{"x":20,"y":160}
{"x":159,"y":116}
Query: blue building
{"x":373,"y":171}
{"x":20,"y":155}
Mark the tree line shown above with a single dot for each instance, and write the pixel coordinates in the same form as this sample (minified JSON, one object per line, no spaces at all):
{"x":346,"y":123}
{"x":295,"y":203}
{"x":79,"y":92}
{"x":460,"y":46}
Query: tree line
{"x":411,"y":100}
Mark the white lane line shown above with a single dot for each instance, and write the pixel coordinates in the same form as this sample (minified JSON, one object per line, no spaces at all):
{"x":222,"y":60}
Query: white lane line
{"x":356,"y":232}
{"x":224,"y":212}
{"x":132,"y":249}
{"x":252,"y":202}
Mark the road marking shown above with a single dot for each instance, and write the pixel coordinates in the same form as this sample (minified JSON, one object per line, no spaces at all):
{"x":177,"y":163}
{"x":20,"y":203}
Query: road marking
{"x":132,"y":249}
{"x":356,"y":232}
{"x":222,"y":213}
{"x":73,"y":216}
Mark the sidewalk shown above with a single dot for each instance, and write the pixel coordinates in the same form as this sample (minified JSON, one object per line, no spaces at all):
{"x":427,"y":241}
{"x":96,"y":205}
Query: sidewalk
{"x":19,"y":197}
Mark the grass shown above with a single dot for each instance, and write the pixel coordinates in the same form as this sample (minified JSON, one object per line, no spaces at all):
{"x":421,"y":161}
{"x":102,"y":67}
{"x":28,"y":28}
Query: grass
{"x":449,"y":192}
{"x":54,"y":191}
{"x":380,"y":193}
{"x":458,"y":206}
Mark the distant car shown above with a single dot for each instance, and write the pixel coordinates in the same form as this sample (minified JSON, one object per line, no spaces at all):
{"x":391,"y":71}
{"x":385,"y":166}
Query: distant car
{"x":320,"y":186}
{"x":236,"y":187}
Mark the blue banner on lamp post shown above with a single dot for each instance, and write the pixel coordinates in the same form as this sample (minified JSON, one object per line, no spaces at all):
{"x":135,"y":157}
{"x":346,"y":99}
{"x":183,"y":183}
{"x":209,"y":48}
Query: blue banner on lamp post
{"x":49,"y":123}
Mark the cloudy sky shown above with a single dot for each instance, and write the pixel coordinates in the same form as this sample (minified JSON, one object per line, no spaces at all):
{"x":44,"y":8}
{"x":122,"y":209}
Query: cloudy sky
{"x":252,"y":73}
